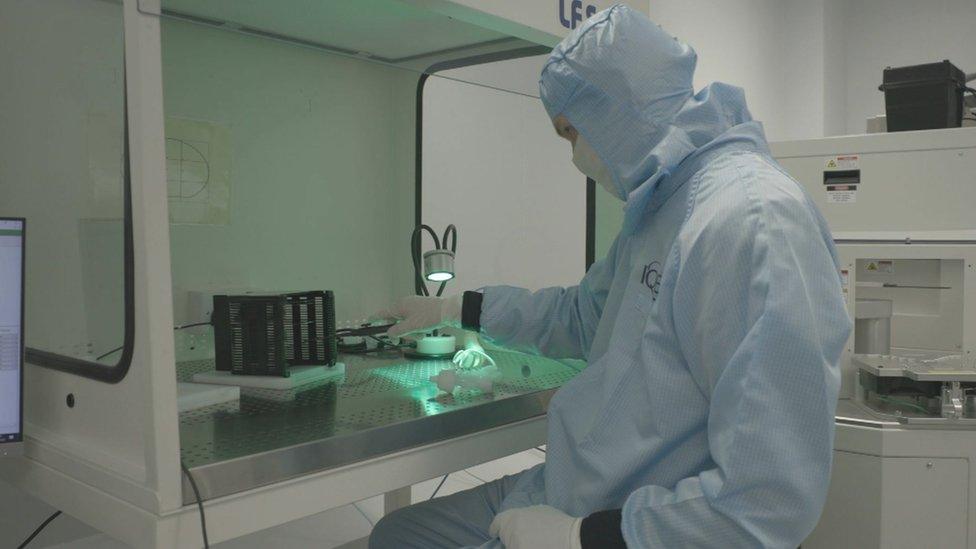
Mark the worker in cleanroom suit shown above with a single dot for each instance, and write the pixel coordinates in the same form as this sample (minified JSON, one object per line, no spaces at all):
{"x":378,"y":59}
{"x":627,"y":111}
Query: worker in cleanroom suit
{"x":712,"y":330}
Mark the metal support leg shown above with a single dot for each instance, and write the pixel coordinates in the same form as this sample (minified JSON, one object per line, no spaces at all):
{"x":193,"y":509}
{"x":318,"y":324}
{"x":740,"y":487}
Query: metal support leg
{"x":396,"y":499}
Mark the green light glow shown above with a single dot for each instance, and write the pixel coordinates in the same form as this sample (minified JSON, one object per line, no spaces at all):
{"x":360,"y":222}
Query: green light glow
{"x":439,"y":276}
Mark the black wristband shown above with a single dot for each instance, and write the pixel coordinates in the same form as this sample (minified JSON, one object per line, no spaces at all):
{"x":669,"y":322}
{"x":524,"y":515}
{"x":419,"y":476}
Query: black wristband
{"x":471,"y":311}
{"x":602,"y":529}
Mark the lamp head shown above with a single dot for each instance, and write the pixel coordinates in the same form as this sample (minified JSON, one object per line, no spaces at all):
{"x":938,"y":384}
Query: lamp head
{"x":439,"y":265}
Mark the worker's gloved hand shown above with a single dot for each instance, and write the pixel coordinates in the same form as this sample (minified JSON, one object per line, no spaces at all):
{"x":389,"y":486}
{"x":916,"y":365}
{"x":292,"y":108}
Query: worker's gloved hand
{"x":473,"y":355}
{"x":472,"y":359}
{"x":537,"y":527}
{"x":421,"y":314}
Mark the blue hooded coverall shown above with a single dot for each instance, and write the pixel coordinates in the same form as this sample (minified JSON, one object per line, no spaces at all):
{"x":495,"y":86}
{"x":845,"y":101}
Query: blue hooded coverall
{"x":712,"y":329}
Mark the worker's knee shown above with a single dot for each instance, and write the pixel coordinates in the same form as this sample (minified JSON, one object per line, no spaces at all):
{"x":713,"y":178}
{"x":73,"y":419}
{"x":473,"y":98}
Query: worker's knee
{"x":391,"y":530}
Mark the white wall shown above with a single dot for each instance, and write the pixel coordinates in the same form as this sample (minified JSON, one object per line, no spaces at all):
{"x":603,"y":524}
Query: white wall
{"x":880,"y":33}
{"x":767,"y":47}
{"x":770,"y":48}
{"x":810,"y":68}
{"x":493,"y":166}
{"x":834,"y":68}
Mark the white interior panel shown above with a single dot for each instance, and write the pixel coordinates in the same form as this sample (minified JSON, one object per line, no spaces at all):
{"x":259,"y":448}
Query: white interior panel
{"x":493,"y":166}
{"x":320,"y":162}
{"x":927,"y":297}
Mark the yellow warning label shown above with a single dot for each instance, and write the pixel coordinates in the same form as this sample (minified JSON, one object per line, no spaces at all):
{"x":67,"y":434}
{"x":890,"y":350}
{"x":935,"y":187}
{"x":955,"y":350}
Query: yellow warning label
{"x":872,"y":267}
{"x":842,"y":162}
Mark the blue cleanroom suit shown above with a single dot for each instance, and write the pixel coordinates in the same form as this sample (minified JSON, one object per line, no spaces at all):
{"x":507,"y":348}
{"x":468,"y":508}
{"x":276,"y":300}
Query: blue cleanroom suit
{"x":712,"y":329}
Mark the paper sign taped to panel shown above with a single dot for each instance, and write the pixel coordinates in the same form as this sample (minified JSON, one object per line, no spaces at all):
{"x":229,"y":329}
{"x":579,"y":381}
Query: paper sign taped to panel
{"x":197,"y":172}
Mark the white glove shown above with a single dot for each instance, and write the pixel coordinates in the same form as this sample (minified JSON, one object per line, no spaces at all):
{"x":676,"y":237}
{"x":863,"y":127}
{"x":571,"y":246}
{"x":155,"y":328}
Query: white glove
{"x":422,"y":314}
{"x":473,"y":355}
{"x":472,"y":359}
{"x":537,"y":527}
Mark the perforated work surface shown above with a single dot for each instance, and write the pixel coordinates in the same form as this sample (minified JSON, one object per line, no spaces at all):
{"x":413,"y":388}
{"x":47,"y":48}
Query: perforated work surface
{"x":376,"y":391}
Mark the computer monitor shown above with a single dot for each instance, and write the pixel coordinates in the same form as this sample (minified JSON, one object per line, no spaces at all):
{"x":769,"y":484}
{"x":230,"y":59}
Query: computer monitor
{"x":12,"y":233}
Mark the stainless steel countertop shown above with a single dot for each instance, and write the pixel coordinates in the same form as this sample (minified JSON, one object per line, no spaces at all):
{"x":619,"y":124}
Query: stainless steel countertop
{"x":383,"y":404}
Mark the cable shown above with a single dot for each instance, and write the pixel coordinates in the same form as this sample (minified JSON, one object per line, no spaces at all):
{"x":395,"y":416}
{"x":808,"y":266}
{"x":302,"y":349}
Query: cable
{"x":364,"y":330}
{"x":105,"y":354}
{"x":415,"y":240}
{"x":119,"y":348}
{"x":438,"y":489}
{"x":196,"y":493}
{"x":208,"y":323}
{"x":383,"y":345}
{"x":389,"y":347}
{"x":450,"y":231}
{"x":541,"y":449}
{"x":387,"y":344}
{"x":31,"y":537}
{"x":420,"y":286}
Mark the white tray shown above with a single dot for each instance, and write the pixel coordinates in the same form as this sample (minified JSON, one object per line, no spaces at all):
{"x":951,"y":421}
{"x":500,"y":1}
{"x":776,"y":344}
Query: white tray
{"x":300,"y":375}
{"x":192,"y":396}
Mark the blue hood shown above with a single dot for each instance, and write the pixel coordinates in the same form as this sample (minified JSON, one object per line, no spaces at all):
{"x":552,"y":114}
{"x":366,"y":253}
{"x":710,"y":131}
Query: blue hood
{"x":626,"y":85}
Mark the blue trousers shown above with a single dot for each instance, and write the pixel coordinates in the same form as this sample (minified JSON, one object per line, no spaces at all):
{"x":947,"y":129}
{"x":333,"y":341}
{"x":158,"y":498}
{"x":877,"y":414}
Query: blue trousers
{"x":457,"y":520}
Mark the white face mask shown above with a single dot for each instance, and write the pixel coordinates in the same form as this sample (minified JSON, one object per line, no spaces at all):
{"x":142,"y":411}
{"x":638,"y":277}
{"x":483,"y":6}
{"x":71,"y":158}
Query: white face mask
{"x":586,"y":160}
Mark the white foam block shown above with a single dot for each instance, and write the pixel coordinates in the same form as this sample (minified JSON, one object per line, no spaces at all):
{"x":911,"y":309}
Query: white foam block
{"x":300,"y":375}
{"x":191,"y":396}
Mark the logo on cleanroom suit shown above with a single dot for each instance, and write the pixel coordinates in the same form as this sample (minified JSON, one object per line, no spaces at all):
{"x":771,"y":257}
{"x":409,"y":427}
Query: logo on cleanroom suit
{"x":651,"y":277}
{"x":575,"y":16}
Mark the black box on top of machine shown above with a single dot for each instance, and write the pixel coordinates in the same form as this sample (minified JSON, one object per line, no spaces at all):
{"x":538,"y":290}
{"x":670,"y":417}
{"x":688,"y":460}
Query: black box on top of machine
{"x":923,"y":97}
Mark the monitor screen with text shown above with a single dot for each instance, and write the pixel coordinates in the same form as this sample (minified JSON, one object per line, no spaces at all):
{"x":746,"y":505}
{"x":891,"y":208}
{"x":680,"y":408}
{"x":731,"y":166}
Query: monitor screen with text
{"x":11,"y":329}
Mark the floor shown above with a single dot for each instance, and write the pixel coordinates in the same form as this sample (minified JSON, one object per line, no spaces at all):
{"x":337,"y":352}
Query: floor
{"x":346,"y":526}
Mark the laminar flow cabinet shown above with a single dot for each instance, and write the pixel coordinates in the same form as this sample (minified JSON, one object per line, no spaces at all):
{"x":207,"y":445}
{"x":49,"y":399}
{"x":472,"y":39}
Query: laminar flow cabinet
{"x":167,"y":151}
